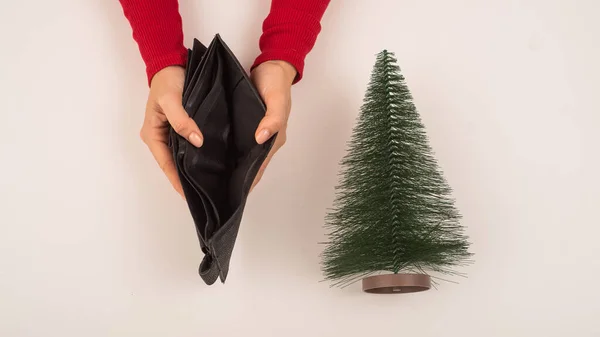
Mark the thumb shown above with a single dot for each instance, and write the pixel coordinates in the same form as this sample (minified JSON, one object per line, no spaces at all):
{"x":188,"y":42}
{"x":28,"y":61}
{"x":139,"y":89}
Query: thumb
{"x":274,"y":121}
{"x":181,"y":122}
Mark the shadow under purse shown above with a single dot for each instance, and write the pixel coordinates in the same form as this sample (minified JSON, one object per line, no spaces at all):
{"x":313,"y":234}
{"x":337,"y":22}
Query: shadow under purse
{"x":216,"y":178}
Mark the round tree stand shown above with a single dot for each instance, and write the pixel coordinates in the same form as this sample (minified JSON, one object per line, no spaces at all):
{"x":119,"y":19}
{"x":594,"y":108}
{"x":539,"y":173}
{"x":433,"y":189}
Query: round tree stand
{"x":396,"y":283}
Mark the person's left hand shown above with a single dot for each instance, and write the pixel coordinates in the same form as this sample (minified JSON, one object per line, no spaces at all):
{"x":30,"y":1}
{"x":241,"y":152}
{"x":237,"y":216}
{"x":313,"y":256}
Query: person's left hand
{"x":273,"y":79}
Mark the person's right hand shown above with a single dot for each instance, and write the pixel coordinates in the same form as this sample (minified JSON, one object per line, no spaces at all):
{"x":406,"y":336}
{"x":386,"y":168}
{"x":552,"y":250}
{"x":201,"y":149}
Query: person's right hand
{"x":164,"y":107}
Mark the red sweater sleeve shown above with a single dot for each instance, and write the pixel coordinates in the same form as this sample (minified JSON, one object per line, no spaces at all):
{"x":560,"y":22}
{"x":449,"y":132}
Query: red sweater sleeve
{"x":158,"y":31}
{"x":289,"y":32}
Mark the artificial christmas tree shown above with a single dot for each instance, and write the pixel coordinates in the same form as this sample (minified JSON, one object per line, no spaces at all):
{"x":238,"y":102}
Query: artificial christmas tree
{"x":393,"y":210}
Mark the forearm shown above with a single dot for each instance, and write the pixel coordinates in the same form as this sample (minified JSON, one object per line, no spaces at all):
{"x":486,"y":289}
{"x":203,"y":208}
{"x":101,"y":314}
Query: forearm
{"x":158,"y":32}
{"x":290,"y":31}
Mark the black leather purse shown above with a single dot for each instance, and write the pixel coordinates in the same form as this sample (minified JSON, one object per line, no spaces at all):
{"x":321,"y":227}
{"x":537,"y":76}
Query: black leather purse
{"x":216,"y":178}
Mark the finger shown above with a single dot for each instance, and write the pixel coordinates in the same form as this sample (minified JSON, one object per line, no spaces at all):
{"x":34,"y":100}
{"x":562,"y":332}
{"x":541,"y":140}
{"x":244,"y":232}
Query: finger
{"x":275,"y":119}
{"x":162,"y":155}
{"x":261,"y":171}
{"x":256,"y":181}
{"x":278,"y":144}
{"x":181,"y":121}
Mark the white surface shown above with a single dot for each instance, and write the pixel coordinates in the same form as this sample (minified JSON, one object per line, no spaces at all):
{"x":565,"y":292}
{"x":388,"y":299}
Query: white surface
{"x":93,"y":241}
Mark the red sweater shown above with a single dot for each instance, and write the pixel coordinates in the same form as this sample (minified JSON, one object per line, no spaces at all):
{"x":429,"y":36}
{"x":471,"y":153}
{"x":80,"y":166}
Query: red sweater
{"x":289,"y":32}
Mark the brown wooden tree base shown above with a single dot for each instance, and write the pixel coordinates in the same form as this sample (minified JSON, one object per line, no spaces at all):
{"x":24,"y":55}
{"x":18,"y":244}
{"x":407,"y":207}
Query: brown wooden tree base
{"x":396,"y":283}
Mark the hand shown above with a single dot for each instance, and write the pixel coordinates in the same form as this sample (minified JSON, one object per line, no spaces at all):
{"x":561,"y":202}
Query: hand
{"x":273,"y":79}
{"x":164,"y":107}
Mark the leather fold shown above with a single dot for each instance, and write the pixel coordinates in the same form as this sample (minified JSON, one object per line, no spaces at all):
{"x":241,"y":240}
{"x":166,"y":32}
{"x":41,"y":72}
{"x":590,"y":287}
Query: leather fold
{"x":216,"y":178}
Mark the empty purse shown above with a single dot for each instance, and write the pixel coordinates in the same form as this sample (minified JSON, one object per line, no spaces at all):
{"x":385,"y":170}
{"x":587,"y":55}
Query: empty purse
{"x":216,"y":178}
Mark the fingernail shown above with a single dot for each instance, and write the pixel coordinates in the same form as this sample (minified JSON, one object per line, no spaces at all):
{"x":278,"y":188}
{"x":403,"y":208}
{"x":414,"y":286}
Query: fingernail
{"x":196,"y":139}
{"x":263,"y":136}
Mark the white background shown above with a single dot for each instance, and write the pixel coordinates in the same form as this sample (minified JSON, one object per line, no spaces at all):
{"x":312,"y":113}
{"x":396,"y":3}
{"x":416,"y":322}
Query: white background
{"x":93,"y":241}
